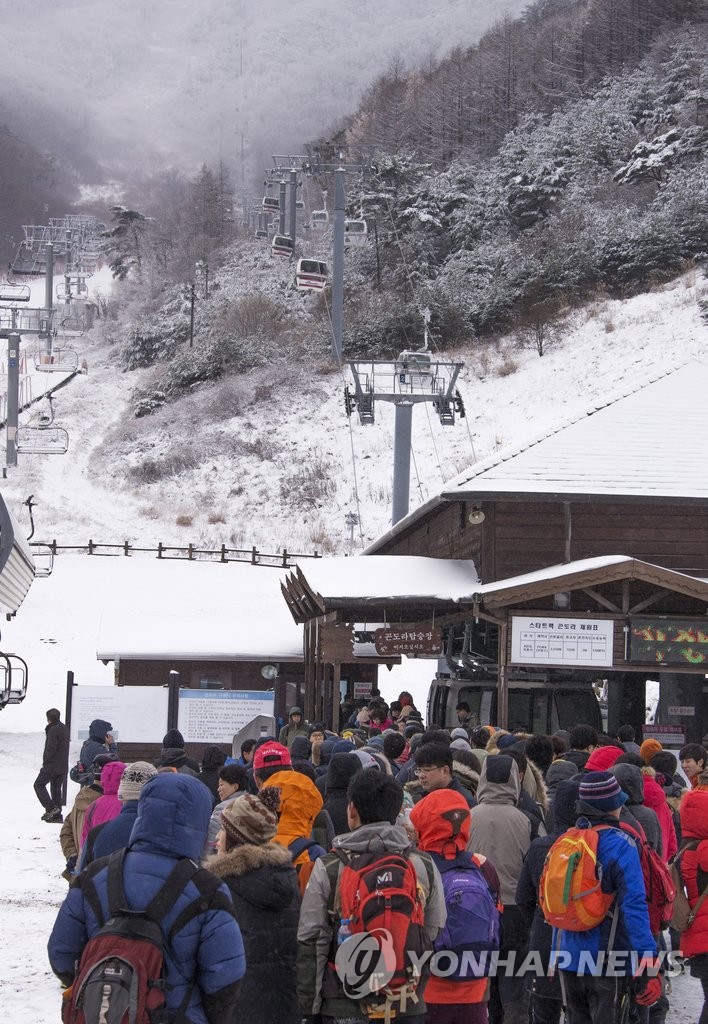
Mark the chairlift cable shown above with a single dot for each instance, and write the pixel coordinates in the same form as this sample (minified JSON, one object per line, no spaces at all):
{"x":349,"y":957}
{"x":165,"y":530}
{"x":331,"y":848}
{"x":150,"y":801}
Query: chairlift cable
{"x":469,"y":434}
{"x":417,"y":476}
{"x":351,"y":433}
{"x":432,"y":437}
{"x":397,"y":236}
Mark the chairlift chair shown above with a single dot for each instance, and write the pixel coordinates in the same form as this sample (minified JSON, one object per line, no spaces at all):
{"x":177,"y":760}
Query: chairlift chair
{"x":311,"y":275}
{"x":356,"y":233}
{"x":14,"y":292}
{"x":282,"y":245}
{"x":42,"y":440}
{"x":17,"y":679}
{"x":59,"y":360}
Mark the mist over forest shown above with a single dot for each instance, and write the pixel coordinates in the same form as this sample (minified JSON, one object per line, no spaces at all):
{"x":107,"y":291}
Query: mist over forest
{"x":114,"y":89}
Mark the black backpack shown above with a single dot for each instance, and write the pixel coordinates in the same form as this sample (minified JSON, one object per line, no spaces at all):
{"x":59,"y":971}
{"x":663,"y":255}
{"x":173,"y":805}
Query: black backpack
{"x":120,"y":977}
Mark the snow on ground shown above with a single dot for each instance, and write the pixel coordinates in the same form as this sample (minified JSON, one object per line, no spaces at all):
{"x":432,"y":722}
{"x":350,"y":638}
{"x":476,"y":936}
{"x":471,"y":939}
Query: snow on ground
{"x":31,"y":890}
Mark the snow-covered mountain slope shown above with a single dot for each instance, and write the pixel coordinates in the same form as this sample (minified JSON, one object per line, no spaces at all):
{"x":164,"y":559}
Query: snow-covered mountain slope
{"x":270,"y":459}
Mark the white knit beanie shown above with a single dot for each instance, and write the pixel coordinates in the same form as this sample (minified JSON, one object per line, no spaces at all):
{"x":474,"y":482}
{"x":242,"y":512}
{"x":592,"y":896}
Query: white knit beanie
{"x":134,"y":778}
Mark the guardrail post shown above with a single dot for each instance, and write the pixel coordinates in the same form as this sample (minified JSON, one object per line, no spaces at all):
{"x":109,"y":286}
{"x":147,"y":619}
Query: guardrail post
{"x":190,"y":552}
{"x":90,"y":547}
{"x":126,"y":548}
{"x":223,"y":552}
{"x":159,"y":549}
{"x":254,"y":555}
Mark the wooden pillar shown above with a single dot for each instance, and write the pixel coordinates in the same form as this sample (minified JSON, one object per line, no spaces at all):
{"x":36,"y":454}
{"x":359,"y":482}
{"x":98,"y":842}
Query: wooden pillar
{"x":336,"y":677}
{"x":310,"y":656}
{"x":503,"y":681}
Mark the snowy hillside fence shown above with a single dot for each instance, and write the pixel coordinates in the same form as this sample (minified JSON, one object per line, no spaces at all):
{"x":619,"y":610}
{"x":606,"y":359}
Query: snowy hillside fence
{"x":283,"y":558}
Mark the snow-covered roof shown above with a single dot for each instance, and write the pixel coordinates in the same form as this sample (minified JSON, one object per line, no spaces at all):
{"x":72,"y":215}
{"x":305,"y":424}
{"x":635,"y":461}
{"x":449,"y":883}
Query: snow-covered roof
{"x":586,"y":572}
{"x":197,"y":611}
{"x":326,"y":584}
{"x":648,"y":442}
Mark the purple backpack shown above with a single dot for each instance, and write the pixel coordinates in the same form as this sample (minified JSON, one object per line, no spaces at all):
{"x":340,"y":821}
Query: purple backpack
{"x":473,"y":926}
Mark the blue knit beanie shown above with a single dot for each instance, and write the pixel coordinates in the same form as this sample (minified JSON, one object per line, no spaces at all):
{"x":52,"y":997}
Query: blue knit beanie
{"x":602,"y":791}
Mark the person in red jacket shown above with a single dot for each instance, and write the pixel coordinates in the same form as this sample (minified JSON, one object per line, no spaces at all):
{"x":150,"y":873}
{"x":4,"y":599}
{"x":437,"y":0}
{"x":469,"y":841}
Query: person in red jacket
{"x":655,"y":798}
{"x":694,"y":871}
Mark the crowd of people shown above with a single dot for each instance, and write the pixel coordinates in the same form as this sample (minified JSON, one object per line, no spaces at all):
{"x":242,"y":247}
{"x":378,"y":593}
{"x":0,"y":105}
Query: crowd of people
{"x":436,"y":838}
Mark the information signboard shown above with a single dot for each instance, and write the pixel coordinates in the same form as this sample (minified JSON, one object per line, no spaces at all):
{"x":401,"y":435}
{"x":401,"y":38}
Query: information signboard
{"x":667,"y":735}
{"x":419,"y":642}
{"x":215,"y":716}
{"x":561,"y":640}
{"x":138,"y":714}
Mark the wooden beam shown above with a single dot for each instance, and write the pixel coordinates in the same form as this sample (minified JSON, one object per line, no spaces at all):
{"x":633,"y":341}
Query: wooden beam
{"x":648,"y":602}
{"x":602,"y":601}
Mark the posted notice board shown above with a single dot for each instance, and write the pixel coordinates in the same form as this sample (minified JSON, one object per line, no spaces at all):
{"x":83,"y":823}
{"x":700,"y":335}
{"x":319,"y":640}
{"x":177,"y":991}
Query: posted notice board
{"x":215,"y":716}
{"x":138,"y":714}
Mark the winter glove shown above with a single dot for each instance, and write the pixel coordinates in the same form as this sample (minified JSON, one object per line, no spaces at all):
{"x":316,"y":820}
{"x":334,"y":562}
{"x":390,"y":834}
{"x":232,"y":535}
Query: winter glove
{"x":70,"y":864}
{"x":648,"y":991}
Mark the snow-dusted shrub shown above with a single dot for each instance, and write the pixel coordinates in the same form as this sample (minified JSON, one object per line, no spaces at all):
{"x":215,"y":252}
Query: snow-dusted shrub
{"x":149,"y":471}
{"x":203,"y":364}
{"x":148,"y":341}
{"x":148,"y":402}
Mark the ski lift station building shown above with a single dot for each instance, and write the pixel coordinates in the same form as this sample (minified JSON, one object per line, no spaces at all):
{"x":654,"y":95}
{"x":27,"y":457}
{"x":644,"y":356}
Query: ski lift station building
{"x":603,"y":519}
{"x":220,"y":626}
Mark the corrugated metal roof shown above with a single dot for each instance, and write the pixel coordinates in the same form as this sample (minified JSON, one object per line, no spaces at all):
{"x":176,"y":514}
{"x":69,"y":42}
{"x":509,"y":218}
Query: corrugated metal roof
{"x":649,"y":443}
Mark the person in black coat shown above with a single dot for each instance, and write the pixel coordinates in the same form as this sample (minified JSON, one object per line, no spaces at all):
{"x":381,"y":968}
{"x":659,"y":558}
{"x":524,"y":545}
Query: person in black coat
{"x":213,"y":760}
{"x":55,"y":767}
{"x":342,"y":767}
{"x":546,"y":999}
{"x":173,"y":754}
{"x":264,"y":889}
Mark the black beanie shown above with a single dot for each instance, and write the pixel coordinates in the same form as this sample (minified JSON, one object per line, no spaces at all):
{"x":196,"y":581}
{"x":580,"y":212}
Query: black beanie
{"x":173,"y":738}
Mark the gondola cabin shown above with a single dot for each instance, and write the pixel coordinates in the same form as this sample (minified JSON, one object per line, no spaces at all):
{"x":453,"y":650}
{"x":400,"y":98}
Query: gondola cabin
{"x":356,"y":233}
{"x":282,"y":245}
{"x":311,"y":275}
{"x":319,"y":220}
{"x":261,"y":233}
{"x":271,"y":204}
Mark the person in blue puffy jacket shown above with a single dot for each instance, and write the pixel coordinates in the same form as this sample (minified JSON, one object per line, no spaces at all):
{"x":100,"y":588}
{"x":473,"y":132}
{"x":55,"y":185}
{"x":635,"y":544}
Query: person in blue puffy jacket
{"x":207,"y":953}
{"x":596,"y":966}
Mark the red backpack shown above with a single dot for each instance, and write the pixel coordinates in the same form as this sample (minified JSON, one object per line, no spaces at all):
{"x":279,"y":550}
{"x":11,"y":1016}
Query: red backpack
{"x":120,"y":978}
{"x":658,"y":882}
{"x":380,"y":923}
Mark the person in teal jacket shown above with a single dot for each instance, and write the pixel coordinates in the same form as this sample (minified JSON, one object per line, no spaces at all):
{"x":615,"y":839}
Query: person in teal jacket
{"x":595,"y":985}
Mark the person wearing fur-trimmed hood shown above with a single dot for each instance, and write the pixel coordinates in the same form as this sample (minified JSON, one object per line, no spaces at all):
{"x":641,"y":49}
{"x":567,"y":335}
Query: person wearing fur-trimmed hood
{"x":264,"y":888}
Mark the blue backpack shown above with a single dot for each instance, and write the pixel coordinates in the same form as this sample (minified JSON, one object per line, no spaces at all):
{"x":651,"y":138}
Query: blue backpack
{"x":473,"y":926}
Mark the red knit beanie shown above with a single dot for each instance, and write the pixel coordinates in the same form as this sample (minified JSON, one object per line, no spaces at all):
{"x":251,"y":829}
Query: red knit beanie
{"x":602,"y":759}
